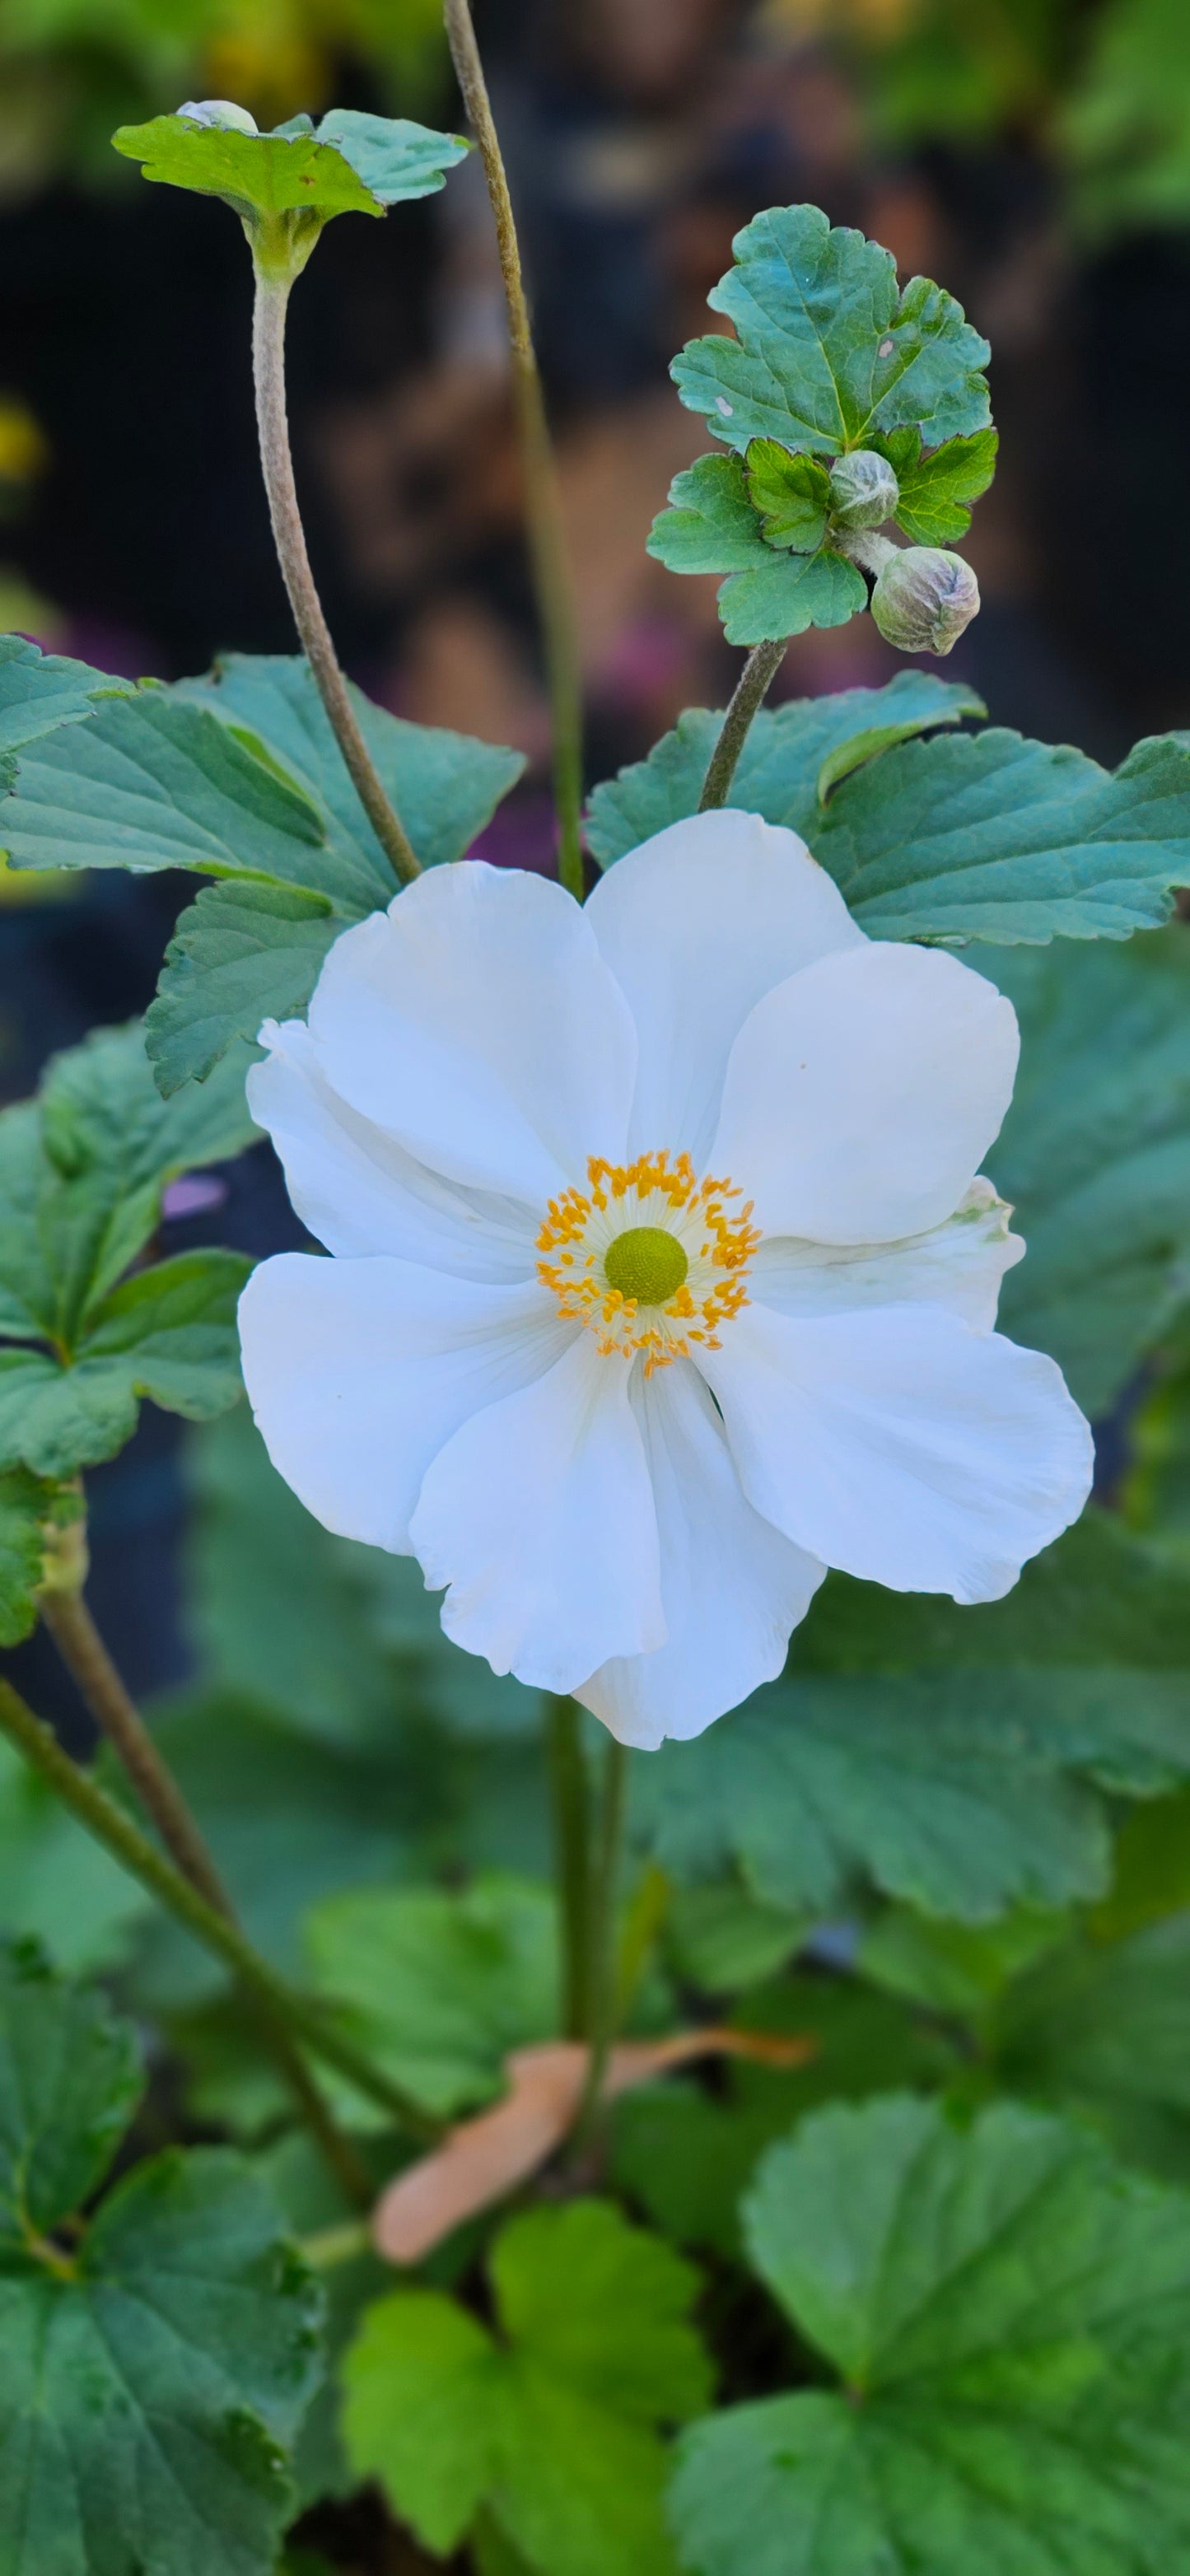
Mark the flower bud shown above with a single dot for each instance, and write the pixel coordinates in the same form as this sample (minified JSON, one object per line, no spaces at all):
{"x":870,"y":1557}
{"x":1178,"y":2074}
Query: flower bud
{"x":864,"y":490}
{"x":218,"y":111}
{"x":924,"y":598}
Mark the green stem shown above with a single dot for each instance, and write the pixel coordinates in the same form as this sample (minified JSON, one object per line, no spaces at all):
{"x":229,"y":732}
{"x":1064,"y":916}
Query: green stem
{"x":605,"y":1887}
{"x":109,"y":1825}
{"x":570,"y":1799}
{"x":756,"y":678}
{"x":268,"y":367}
{"x":547,"y":541}
{"x":66,"y":1615}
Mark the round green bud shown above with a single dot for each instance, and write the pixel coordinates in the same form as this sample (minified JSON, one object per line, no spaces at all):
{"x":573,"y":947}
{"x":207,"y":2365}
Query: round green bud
{"x":864,"y":490}
{"x":646,"y":1264}
{"x":924,"y":598}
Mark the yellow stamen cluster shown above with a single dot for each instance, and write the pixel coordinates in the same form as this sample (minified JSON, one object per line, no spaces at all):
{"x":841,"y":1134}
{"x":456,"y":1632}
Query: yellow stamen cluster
{"x":654,"y":1194}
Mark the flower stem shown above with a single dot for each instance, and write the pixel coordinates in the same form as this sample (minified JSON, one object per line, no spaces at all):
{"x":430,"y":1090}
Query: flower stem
{"x":604,"y":1887}
{"x":268,"y":364}
{"x":111,"y":1826}
{"x":755,"y":680}
{"x":571,"y":1802}
{"x":86,"y":1657}
{"x":547,"y":544}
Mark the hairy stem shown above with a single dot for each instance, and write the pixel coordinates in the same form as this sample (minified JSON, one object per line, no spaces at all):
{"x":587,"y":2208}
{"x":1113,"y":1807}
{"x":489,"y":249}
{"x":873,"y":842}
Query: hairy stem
{"x":87,"y":1660}
{"x":111,"y":1826}
{"x":547,"y":544}
{"x":604,"y":1886}
{"x":570,"y":1799}
{"x":755,"y":680}
{"x":268,"y":363}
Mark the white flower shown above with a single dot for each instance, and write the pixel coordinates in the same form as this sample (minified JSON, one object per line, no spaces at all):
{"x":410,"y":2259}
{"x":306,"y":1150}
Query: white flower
{"x":662,"y":1279}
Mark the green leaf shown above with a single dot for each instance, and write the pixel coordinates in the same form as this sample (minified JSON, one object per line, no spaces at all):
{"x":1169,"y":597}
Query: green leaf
{"x":826,"y":353}
{"x":246,"y":952}
{"x":395,"y":158}
{"x":153,"y":782}
{"x":42,"y":1852}
{"x":441,"y":1986}
{"x":791,"y":759}
{"x":352,"y":164}
{"x":446,"y":785}
{"x":39,"y":691}
{"x":710,"y":525}
{"x":169,"y":1333}
{"x":149,"y":2383}
{"x":789,"y":594}
{"x":713,"y":527}
{"x":70,"y":2080}
{"x":990,"y":837}
{"x":792,"y":494}
{"x":1095,"y":1154}
{"x":335,"y":1635}
{"x":335,"y":1818}
{"x":686,"y":2155}
{"x":243,"y":953}
{"x":938,"y":487}
{"x":26,"y":1504}
{"x":945,"y":1753}
{"x":550,"y":2429}
{"x":1009,"y":2314}
{"x":83,"y":1169}
{"x":1103,"y":2031}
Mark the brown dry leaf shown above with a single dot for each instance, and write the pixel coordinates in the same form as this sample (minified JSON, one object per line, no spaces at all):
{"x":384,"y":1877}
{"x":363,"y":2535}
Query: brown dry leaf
{"x":483,"y":2159}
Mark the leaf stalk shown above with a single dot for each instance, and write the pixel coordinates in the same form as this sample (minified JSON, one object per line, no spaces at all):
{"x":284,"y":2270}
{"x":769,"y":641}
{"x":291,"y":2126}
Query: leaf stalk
{"x":752,"y":687}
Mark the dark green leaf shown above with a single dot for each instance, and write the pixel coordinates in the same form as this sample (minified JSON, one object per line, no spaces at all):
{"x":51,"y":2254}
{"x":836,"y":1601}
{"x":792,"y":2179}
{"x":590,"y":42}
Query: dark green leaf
{"x":944,"y":1752}
{"x":549,"y":2429}
{"x":990,"y":837}
{"x":70,"y":2080}
{"x":168,"y":1333}
{"x":710,"y":525}
{"x":336,"y":1635}
{"x":243,"y":953}
{"x":1103,"y":2030}
{"x":792,"y":757}
{"x":442,"y":1986}
{"x":937,"y":488}
{"x":1010,"y":2316}
{"x":153,"y":782}
{"x":790,"y":593}
{"x":1095,"y":1154}
{"x":39,"y":691}
{"x":791,"y":493}
{"x":145,"y":2397}
{"x":42,"y":1852}
{"x":827,"y":353}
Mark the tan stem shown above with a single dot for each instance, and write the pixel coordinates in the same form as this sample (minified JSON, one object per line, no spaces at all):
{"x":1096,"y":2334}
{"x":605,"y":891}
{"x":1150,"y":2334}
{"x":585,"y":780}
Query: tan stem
{"x":547,"y":540}
{"x":268,"y":364}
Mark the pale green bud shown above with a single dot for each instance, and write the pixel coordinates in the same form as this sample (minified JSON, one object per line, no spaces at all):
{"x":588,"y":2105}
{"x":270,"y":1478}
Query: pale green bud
{"x":864,"y":490}
{"x":923,"y":599}
{"x":218,"y":111}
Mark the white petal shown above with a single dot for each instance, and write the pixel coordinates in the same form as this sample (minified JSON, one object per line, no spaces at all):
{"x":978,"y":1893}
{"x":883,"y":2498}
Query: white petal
{"x":696,"y":925}
{"x":359,"y":1371}
{"x":539,"y":1515}
{"x":359,"y":1191}
{"x":902,"y":1446}
{"x":731,"y":1586}
{"x":862,"y":1095}
{"x":476,"y":1021}
{"x":958,"y":1265}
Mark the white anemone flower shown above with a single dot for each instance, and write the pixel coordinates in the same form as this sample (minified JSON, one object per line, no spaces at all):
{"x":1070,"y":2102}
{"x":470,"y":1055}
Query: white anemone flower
{"x":662,"y":1276}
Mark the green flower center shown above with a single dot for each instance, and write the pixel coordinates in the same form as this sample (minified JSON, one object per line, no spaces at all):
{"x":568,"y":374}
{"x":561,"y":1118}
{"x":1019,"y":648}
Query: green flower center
{"x":646,"y":1264}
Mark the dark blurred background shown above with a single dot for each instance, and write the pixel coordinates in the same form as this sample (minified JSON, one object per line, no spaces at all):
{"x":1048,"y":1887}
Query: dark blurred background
{"x":1032,"y":155}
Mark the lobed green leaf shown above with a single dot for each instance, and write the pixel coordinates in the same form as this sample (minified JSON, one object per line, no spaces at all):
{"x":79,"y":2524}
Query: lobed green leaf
{"x":827,"y":354}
